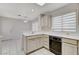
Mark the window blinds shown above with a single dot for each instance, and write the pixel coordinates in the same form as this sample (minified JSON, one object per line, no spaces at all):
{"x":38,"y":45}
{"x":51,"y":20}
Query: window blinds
{"x":65,"y":22}
{"x":57,"y":23}
{"x":69,"y":22}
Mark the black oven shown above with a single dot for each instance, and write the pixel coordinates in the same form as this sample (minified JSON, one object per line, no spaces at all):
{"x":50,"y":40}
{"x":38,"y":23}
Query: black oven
{"x":55,"y":45}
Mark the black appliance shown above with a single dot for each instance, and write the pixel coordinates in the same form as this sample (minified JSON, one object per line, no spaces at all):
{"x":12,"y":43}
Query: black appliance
{"x":55,"y":45}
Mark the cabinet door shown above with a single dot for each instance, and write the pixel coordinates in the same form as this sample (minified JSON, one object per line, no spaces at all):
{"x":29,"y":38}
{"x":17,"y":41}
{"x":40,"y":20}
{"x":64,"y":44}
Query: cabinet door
{"x":78,"y":47}
{"x":37,"y":44}
{"x":33,"y":44}
{"x":46,"y":42}
{"x":68,"y":49}
{"x":40,"y":40}
{"x":45,"y":23}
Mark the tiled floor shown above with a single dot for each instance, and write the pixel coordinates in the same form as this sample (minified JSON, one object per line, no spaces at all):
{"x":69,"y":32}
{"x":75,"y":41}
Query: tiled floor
{"x":42,"y":51}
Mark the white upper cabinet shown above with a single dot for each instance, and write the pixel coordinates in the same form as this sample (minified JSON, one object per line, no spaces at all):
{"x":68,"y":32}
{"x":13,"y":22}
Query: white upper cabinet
{"x":45,"y":22}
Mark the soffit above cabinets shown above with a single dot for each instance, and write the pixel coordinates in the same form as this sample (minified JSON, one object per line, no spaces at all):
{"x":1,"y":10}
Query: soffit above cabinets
{"x":28,"y":11}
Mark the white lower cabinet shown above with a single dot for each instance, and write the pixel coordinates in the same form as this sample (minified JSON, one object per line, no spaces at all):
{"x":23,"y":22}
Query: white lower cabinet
{"x":46,"y":42}
{"x":32,"y":44}
{"x":78,"y":47}
{"x":36,"y":42}
{"x":40,"y":42}
{"x":69,"y":48}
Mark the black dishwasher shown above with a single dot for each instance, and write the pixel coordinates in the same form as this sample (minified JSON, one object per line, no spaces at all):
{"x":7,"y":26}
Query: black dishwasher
{"x":55,"y":45}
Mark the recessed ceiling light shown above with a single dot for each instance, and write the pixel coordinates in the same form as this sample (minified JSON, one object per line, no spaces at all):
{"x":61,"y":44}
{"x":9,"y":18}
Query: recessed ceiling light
{"x":32,"y":10}
{"x":41,"y":4}
{"x":25,"y":21}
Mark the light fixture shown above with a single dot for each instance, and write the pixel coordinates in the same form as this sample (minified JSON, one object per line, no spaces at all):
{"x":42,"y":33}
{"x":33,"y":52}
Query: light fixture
{"x":25,"y":21}
{"x":32,"y":10}
{"x":41,"y":4}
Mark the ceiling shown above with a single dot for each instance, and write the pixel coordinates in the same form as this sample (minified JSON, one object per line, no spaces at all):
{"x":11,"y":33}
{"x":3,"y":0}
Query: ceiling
{"x":27,"y":11}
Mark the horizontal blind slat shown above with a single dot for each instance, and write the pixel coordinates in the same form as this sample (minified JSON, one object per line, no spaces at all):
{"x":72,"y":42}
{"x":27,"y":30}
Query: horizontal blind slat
{"x":56,"y":23}
{"x":69,"y":22}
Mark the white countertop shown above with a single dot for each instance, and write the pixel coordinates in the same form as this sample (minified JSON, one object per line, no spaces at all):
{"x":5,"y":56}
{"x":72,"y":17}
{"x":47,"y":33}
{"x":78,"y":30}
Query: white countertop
{"x":76,"y":37}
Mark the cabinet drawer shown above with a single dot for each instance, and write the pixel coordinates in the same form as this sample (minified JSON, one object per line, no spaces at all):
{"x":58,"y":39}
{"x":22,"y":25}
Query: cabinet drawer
{"x":70,"y":41}
{"x":69,"y":49}
{"x":34,"y":37}
{"x":37,"y":36}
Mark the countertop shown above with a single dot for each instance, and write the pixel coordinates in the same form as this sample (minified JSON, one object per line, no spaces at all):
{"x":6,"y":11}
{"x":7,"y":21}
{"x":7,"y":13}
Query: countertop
{"x":75,"y":37}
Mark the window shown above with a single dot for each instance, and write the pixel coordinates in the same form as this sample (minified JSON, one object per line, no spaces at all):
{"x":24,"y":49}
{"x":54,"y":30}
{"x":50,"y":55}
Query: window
{"x":65,"y":22}
{"x":35,"y":26}
{"x":57,"y":23}
{"x":69,"y":22}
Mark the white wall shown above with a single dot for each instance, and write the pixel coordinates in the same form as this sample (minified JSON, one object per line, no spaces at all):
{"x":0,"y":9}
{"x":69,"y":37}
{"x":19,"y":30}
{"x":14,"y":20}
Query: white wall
{"x":0,"y":26}
{"x":13,"y":29}
{"x":35,"y":25}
